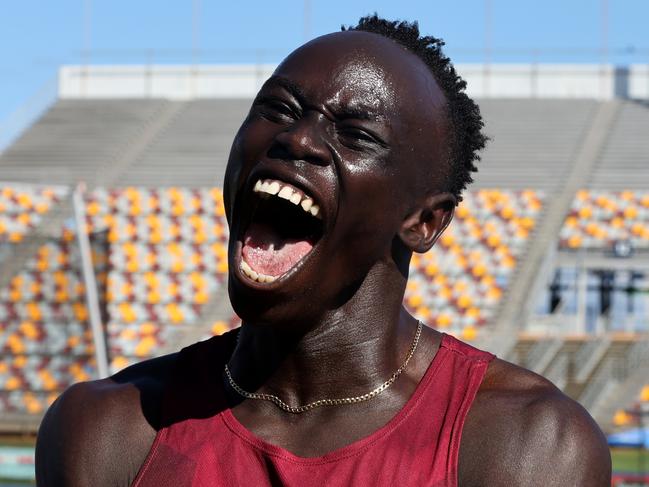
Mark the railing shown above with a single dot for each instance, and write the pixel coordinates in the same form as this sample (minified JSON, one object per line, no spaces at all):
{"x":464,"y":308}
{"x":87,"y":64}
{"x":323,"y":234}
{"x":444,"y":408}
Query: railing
{"x":598,"y":386}
{"x":639,"y":354}
{"x":588,"y":356}
{"x":557,"y":372}
{"x":542,"y":354}
{"x":614,"y":371}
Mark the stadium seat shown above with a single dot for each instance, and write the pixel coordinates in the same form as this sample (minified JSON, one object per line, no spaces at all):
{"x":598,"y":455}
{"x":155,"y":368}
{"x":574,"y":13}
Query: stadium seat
{"x":458,"y":285}
{"x":599,"y":218}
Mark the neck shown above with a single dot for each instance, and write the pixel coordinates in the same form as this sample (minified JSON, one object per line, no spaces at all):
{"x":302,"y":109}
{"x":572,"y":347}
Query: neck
{"x":346,"y":352}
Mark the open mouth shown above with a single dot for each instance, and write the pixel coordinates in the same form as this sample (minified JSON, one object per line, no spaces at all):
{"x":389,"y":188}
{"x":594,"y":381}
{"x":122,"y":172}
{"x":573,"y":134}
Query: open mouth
{"x":285,"y":226}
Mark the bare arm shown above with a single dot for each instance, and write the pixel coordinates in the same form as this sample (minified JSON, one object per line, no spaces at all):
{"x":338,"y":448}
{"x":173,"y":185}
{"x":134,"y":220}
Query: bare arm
{"x":531,"y":434}
{"x":99,"y":433}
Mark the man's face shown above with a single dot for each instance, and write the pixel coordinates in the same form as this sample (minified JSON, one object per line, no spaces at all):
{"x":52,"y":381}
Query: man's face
{"x":335,"y":151}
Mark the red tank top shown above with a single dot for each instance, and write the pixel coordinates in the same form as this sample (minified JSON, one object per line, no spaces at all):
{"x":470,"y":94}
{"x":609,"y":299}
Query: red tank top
{"x":201,"y":443}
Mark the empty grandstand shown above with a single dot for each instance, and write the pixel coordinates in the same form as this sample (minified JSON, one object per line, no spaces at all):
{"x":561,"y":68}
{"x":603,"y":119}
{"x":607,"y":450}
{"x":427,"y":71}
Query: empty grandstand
{"x":546,"y":262}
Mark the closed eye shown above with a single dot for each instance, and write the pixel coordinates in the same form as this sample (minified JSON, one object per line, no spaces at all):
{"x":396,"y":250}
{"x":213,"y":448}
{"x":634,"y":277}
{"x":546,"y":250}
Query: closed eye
{"x":357,"y":138}
{"x":275,"y":109}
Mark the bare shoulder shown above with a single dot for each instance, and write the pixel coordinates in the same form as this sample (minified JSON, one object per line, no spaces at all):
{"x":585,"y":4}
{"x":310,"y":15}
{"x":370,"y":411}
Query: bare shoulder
{"x":522,"y":430}
{"x":99,"y":432}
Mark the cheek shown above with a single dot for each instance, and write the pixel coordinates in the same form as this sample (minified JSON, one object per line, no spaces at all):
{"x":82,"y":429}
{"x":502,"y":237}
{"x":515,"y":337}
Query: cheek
{"x":371,"y":215}
{"x":250,"y":144}
{"x":252,"y":141}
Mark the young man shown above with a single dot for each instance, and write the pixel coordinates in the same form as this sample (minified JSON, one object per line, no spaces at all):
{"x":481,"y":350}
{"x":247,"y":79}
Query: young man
{"x":353,"y":156}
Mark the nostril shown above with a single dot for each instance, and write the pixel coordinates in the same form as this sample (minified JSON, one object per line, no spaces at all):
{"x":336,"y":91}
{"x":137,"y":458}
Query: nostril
{"x":298,"y":145}
{"x":278,"y":151}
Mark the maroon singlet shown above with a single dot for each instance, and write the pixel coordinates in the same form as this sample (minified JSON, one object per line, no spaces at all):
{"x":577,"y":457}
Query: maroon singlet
{"x":203,"y":444}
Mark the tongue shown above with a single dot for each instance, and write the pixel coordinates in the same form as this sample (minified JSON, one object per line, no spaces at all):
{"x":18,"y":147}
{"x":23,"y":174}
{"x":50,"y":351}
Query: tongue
{"x":267,"y":252}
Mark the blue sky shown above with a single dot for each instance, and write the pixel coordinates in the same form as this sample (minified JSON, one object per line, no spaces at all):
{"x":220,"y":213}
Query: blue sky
{"x":38,"y":36}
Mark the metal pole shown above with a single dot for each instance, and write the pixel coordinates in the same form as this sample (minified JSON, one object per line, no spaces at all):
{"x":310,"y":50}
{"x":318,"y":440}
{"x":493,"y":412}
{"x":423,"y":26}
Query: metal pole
{"x":603,"y":49}
{"x":307,"y":20}
{"x":87,"y":39}
{"x":92,"y":300}
{"x":196,"y":30}
{"x":486,"y":81}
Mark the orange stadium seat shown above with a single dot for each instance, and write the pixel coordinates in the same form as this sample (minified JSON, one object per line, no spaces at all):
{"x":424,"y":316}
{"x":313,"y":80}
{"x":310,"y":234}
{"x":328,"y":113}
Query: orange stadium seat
{"x":167,"y":254}
{"x":598,"y":218}
{"x":459,"y":283}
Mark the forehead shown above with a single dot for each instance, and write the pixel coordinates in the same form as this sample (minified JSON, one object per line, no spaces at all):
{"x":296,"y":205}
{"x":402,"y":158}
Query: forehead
{"x":366,"y":71}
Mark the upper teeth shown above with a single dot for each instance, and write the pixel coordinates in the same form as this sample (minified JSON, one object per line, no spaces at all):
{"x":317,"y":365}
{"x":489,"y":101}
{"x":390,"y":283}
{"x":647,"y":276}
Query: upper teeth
{"x":290,"y":193}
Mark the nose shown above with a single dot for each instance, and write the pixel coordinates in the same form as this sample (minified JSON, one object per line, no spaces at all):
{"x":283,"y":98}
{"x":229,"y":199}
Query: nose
{"x":304,"y":140}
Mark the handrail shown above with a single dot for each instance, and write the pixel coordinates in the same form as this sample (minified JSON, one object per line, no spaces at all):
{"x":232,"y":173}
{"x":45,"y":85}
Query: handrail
{"x":598,"y":386}
{"x":587,"y":358}
{"x":557,"y":372}
{"x":543,"y":354}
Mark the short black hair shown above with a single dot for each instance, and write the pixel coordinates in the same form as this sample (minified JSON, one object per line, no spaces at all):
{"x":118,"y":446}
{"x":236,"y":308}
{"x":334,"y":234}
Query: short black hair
{"x":464,"y":118}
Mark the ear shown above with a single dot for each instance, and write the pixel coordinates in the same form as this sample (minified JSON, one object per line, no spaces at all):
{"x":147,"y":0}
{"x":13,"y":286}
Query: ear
{"x":421,"y":228}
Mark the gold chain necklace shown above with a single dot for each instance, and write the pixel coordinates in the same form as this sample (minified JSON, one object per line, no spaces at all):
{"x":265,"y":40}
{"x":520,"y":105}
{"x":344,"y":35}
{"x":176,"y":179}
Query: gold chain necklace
{"x":326,"y":402}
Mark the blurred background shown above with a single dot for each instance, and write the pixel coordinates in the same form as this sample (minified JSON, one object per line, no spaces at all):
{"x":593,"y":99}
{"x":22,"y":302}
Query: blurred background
{"x":116,"y":120}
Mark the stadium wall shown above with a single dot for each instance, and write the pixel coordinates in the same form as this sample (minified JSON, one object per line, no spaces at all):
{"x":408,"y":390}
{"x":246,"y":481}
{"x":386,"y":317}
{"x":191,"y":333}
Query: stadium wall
{"x":602,"y":82}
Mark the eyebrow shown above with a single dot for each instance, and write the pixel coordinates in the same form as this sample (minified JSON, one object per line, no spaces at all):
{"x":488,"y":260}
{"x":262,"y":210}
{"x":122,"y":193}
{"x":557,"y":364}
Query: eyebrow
{"x":287,"y":84}
{"x":357,"y":111}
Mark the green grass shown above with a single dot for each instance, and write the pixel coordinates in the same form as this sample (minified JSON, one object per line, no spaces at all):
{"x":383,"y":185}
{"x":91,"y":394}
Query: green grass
{"x":12,"y":482}
{"x":629,"y":460}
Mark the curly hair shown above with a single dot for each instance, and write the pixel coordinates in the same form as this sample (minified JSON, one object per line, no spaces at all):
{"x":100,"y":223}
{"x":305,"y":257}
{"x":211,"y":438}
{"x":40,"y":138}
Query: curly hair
{"x":464,"y":118}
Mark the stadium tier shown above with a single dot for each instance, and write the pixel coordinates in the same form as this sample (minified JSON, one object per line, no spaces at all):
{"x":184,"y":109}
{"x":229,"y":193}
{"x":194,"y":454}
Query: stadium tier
{"x":198,"y":136}
{"x":153,"y":143}
{"x":623,"y":162}
{"x":166,"y":256}
{"x":159,"y":255}
{"x":44,"y":338}
{"x":458,"y":285}
{"x":21,"y":208}
{"x":559,"y":175}
{"x":597,"y":219}
{"x":533,"y":142}
{"x":76,"y":140}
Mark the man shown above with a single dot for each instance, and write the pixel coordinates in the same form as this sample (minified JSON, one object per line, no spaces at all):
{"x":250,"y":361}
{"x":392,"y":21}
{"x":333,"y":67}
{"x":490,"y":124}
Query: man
{"x":353,"y":156}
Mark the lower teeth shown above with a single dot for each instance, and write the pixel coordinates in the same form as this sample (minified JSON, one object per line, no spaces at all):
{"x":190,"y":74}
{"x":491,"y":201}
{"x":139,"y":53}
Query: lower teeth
{"x":255,"y":276}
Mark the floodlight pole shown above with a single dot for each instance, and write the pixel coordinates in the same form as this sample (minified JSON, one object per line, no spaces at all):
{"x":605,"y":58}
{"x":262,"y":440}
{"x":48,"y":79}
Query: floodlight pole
{"x":87,"y":42}
{"x":486,"y":69}
{"x":90,"y":283}
{"x":307,"y":20}
{"x":196,"y":30}
{"x":603,"y":46}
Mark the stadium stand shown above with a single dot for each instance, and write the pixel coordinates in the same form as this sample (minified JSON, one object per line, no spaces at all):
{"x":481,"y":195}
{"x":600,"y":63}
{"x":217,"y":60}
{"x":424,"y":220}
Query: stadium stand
{"x":197,"y":138}
{"x":599,"y":218}
{"x":78,"y":141}
{"x":458,"y":285}
{"x":622,"y":164}
{"x":44,"y":339}
{"x":534,"y":142}
{"x":558,"y":176}
{"x":168,"y":257}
